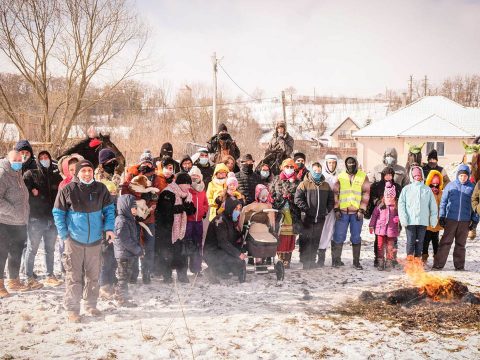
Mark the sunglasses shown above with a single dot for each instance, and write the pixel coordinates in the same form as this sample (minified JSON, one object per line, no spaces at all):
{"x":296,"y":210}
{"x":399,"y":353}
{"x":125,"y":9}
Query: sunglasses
{"x":434,"y":186}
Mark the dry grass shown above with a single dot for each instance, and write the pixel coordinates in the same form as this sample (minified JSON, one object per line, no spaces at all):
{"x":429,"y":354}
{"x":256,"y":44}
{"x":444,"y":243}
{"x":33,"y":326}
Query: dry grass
{"x":426,"y":316}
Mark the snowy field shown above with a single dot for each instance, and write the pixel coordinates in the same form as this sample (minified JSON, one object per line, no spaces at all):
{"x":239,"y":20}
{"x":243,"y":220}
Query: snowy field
{"x":254,"y":320}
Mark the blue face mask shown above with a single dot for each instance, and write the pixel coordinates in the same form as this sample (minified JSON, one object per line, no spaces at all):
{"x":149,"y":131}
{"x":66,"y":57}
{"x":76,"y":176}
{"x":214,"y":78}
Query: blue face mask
{"x":264,"y":174}
{"x":45,"y":163}
{"x":316,"y":176}
{"x":87,"y":183}
{"x":203,"y":161}
{"x":235,"y":215}
{"x":16,"y":165}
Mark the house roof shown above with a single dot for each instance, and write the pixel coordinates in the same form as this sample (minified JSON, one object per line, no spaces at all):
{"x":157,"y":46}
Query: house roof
{"x":429,"y":116}
{"x":343,"y":122}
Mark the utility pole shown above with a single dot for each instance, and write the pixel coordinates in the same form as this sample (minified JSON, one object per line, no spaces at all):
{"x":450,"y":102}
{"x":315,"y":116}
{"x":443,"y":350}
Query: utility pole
{"x":410,"y":89}
{"x":283,"y":107}
{"x":214,"y":107}
{"x":425,"y":87}
{"x":314,"y":97}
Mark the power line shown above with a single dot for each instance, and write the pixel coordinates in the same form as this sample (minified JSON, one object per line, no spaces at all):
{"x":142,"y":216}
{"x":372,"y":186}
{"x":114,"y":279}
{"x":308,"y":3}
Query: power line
{"x":221,"y":67}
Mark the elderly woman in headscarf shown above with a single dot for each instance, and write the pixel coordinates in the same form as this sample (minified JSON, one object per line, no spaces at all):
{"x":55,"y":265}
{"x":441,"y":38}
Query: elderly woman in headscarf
{"x":283,"y":200}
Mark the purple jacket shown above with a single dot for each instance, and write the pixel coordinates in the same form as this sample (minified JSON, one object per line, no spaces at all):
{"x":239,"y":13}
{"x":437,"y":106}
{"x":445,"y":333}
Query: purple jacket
{"x":383,"y":221}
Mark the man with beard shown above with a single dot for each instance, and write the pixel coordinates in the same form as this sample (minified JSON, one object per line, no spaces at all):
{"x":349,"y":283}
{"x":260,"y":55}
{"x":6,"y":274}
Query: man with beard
{"x":352,"y":192}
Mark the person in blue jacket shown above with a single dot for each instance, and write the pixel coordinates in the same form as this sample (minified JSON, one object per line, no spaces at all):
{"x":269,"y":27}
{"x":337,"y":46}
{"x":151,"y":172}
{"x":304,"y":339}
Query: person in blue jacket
{"x":457,"y":217}
{"x":83,"y":210}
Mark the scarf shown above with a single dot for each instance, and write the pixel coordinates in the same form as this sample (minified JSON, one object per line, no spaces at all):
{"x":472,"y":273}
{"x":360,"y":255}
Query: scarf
{"x":285,"y":177}
{"x":179,"y":220}
{"x":198,"y":187}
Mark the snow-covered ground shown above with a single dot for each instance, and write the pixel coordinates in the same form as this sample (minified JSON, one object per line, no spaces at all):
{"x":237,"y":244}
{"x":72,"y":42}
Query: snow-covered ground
{"x":254,"y":320}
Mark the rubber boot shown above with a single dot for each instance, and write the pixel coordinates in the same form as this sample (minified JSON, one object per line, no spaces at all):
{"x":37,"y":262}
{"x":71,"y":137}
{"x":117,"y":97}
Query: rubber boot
{"x":356,"y":256}
{"x":381,"y":264}
{"x":3,"y":292}
{"x":337,"y":254}
{"x":321,"y":258}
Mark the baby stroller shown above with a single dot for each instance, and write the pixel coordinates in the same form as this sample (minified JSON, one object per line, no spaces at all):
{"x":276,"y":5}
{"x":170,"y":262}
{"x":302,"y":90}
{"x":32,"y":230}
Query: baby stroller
{"x":262,"y":243}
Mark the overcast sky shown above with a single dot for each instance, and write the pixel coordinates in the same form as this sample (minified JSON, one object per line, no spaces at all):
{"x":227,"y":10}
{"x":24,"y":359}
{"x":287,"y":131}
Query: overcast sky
{"x":338,"y":47}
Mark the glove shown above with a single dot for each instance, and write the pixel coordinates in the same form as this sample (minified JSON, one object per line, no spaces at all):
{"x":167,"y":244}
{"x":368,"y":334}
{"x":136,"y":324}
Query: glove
{"x":360,"y":214}
{"x":338,"y":214}
{"x":442,"y":221}
{"x":473,"y":225}
{"x":370,"y":230}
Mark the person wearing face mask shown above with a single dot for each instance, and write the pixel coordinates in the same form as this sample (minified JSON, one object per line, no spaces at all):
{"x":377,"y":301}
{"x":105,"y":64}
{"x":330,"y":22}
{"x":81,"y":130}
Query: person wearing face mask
{"x":435,"y":182}
{"x":166,"y":151}
{"x":220,"y":252}
{"x":390,"y":159}
{"x":314,"y":198}
{"x":174,"y":206}
{"x":279,"y":148}
{"x":14,"y":213}
{"x":186,"y":164}
{"x":284,"y":201}
{"x":26,"y":152}
{"x":417,"y":209}
{"x":202,"y":161}
{"x":266,"y":176}
{"x":302,"y":170}
{"x":42,"y":184}
{"x":215,"y":188}
{"x":456,"y":216}
{"x":352,"y":193}
{"x":107,"y":164}
{"x":247,"y":178}
{"x":83,"y":211}
{"x":150,"y":262}
{"x":222,"y":144}
{"x":432,"y":164}
{"x":195,"y":222}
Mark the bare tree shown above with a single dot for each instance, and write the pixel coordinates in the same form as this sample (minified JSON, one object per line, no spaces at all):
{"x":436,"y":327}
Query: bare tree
{"x":76,"y":40}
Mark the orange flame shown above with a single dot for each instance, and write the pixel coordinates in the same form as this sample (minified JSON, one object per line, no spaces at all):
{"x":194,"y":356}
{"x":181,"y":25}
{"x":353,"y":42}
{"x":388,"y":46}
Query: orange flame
{"x":436,"y":287}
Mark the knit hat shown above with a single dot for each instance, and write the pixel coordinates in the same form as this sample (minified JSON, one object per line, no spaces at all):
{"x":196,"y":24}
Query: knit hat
{"x":183,"y":178}
{"x":247,"y":157}
{"x":432,"y":155}
{"x":24,"y":145}
{"x":82,"y":164}
{"x":104,"y":155}
{"x":288,"y":162}
{"x":166,"y":150}
{"x":146,"y":156}
{"x":195,"y":171}
{"x":281,"y":123}
{"x":231,"y":179}
{"x":299,"y":155}
{"x":222,"y":127}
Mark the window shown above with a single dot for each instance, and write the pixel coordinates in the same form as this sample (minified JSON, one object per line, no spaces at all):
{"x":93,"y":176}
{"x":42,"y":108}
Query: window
{"x":439,"y":146}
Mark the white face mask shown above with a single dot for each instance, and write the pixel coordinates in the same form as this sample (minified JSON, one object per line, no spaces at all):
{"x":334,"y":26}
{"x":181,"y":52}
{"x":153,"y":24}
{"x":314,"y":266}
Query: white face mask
{"x":289,"y":172}
{"x":167,"y":172}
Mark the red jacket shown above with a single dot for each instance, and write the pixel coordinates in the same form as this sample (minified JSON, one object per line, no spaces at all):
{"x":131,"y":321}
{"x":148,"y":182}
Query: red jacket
{"x":200,"y":202}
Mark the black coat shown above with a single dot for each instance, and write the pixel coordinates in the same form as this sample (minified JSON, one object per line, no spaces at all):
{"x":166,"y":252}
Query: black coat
{"x":46,"y":181}
{"x":247,"y":182}
{"x":376,"y":193}
{"x":207,"y":172}
{"x":30,"y":164}
{"x":222,"y":235}
{"x":213,"y":145}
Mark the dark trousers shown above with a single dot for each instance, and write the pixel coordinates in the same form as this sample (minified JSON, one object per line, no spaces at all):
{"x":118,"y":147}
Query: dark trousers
{"x":109,"y":265}
{"x":124,"y":273}
{"x":195,"y":232}
{"x":172,"y":257}
{"x":221,"y":262}
{"x":149,"y":248}
{"x":415,"y":236}
{"x":12,"y":241}
{"x":453,"y":230}
{"x":309,"y":241}
{"x":431,"y":237}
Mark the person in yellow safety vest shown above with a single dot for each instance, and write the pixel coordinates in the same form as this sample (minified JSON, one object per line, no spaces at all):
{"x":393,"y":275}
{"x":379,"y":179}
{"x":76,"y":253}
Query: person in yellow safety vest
{"x":352,"y":192}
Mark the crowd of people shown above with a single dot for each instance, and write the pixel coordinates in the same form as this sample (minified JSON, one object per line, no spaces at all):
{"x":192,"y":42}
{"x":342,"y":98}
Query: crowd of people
{"x":160,"y":216}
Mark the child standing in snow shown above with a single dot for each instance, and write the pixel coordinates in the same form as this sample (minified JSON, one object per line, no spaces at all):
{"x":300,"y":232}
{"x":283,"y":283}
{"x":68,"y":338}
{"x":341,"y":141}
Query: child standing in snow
{"x":126,"y":246}
{"x":384,"y":223}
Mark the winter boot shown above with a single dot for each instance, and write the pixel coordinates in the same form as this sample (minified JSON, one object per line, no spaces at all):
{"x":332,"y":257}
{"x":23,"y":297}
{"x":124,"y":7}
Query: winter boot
{"x":73,"y":317}
{"x":424,"y":258}
{"x":106,"y":292}
{"x":3,"y":292}
{"x":34,"y":284}
{"x":146,"y":278}
{"x":211,"y":277}
{"x":93,"y":311}
{"x":356,"y":256}
{"x":337,"y":254}
{"x":52,"y":281}
{"x":124,"y":302}
{"x":381,"y":265}
{"x":388,"y":265}
{"x":321,"y":258}
{"x":182,"y":276}
{"x":16,"y":285}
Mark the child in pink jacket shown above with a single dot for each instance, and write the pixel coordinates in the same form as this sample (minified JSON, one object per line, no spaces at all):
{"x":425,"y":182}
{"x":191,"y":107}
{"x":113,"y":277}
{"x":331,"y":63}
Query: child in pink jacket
{"x":384,"y":223}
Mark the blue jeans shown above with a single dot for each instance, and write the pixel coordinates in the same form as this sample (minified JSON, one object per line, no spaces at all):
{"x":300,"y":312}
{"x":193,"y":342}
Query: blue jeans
{"x":341,"y":229}
{"x":38,"y":229}
{"x":415,"y":237}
